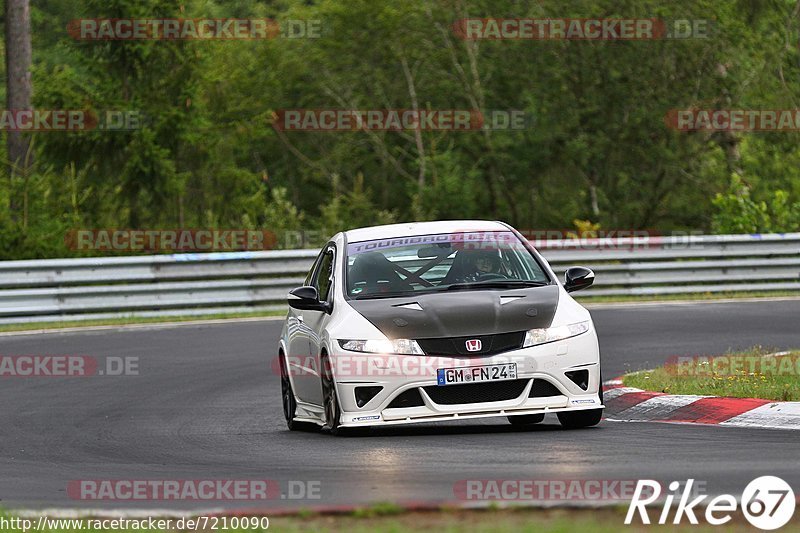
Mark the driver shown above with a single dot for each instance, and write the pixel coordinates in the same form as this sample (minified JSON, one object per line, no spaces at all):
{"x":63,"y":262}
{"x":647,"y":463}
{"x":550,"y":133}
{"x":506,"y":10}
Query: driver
{"x":482,"y":263}
{"x":487,"y":264}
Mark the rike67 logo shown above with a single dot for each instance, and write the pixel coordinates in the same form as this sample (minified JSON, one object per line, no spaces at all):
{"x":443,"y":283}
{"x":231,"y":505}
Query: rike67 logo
{"x":767,"y":502}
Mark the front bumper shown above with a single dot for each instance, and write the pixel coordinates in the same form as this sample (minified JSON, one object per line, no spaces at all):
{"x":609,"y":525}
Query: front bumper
{"x":398,"y":374}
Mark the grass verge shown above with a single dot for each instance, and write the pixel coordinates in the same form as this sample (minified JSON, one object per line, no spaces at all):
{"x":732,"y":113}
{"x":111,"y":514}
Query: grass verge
{"x":754,"y":373}
{"x":125,"y":321}
{"x":513,"y":519}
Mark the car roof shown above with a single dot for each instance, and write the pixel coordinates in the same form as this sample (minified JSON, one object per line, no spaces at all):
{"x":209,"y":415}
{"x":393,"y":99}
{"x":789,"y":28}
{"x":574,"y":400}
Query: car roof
{"x":411,"y":229}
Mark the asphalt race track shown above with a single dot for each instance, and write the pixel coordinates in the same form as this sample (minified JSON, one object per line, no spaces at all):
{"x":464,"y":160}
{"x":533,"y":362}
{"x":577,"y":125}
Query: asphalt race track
{"x":206,"y":405}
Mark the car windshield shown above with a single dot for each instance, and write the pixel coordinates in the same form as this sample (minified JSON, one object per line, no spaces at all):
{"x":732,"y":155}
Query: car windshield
{"x":404,"y":266}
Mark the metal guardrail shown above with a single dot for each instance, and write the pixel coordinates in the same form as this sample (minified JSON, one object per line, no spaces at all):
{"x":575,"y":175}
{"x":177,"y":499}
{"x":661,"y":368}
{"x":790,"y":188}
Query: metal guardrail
{"x":203,"y":284}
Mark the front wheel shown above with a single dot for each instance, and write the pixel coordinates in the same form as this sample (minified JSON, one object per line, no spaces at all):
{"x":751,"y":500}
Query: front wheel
{"x":289,"y":402}
{"x":330,"y":401}
{"x":583,"y":419}
{"x":580,"y":419}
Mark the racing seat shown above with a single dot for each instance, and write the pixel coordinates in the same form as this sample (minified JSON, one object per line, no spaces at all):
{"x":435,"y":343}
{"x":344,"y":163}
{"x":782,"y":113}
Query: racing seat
{"x":463,"y":264}
{"x":377,"y":272}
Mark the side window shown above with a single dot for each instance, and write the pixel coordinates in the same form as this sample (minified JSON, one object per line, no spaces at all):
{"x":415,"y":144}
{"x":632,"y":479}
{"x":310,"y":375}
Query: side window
{"x":324,"y":276}
{"x":310,"y":277}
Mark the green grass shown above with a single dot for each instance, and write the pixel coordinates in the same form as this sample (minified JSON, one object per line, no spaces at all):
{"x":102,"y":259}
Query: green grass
{"x":510,"y":520}
{"x":378,"y":509}
{"x":133,"y":320}
{"x":749,"y":374}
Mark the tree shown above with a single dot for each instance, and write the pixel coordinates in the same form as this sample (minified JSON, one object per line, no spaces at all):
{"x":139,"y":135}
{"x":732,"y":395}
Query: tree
{"x":18,"y":86}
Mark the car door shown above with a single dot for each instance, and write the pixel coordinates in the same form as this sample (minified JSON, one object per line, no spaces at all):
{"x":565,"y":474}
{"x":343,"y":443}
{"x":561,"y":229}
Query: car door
{"x":300,"y":362}
{"x":316,"y":321}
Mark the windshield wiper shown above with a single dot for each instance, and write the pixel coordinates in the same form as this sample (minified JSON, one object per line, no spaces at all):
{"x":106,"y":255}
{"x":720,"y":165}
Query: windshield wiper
{"x":496,"y":284}
{"x":477,"y":285}
{"x":377,"y":295}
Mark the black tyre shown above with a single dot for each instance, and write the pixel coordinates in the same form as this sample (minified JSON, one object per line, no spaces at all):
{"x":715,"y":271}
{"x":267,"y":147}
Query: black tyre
{"x":525,"y":420}
{"x":330,"y":401}
{"x":333,"y":413}
{"x":580,"y":419}
{"x":583,"y":419}
{"x":289,"y":402}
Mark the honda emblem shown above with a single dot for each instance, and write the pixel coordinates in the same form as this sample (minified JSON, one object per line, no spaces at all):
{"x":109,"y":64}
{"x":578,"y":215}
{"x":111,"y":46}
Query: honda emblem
{"x":474,"y":345}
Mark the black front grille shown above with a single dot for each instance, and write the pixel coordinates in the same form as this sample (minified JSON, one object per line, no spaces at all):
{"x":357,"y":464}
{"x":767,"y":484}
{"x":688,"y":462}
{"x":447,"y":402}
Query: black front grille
{"x":409,"y":398}
{"x":365,"y":394}
{"x":490,"y":344}
{"x":542,"y":389}
{"x":496,"y":391}
{"x":579,"y":377}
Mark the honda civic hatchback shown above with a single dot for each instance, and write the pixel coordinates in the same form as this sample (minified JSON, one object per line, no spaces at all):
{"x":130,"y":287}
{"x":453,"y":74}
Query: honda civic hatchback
{"x":437,"y":321}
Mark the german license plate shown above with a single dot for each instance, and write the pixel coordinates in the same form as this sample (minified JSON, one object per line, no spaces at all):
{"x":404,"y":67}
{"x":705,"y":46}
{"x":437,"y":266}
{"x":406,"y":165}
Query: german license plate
{"x":476,"y":374}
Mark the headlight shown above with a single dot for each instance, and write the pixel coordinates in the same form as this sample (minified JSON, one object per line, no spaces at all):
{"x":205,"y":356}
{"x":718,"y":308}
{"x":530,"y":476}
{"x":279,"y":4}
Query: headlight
{"x":397,"y":346}
{"x":544,"y":335}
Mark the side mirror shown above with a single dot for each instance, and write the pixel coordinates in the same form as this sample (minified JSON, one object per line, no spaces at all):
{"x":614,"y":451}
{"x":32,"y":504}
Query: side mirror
{"x":577,"y":278}
{"x":307,"y":299}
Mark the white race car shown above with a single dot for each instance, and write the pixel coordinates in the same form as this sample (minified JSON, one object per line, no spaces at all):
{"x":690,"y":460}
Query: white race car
{"x":436,"y":321}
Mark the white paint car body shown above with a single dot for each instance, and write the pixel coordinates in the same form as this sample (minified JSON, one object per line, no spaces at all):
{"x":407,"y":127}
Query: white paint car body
{"x":319,"y":369}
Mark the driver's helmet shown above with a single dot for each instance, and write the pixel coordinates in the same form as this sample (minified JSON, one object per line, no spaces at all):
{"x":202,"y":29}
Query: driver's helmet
{"x":485,"y":262}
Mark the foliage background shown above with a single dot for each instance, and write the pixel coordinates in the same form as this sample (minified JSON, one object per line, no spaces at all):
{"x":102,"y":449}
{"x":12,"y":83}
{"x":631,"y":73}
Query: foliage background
{"x":596,"y":147}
